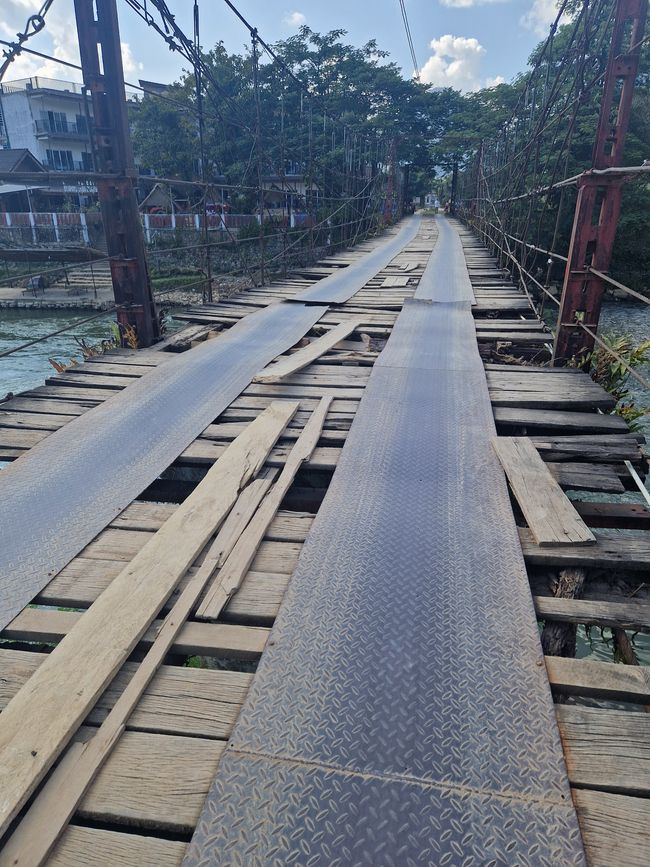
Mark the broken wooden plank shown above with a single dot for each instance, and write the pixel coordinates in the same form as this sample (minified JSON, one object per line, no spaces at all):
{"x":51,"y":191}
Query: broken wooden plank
{"x":232,"y":573}
{"x":56,"y":802}
{"x":624,"y":516}
{"x":548,"y":511}
{"x":286,"y":365}
{"x":64,"y":688}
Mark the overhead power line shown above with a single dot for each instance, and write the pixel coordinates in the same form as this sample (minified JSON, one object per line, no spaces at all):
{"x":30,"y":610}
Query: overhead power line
{"x":409,"y":38}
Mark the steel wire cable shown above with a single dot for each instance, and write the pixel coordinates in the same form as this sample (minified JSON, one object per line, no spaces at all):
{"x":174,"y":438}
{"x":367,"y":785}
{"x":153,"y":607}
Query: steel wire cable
{"x":409,"y":38}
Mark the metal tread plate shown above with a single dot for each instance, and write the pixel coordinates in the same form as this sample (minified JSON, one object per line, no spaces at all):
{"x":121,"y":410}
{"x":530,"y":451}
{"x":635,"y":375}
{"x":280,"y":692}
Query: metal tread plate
{"x":446,"y":277}
{"x":338,"y":288}
{"x":295,"y":814}
{"x":401,"y":711}
{"x":65,"y":490}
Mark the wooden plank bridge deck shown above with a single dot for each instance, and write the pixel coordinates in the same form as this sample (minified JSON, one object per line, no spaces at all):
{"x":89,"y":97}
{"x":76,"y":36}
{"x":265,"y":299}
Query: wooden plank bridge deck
{"x":144,"y":803}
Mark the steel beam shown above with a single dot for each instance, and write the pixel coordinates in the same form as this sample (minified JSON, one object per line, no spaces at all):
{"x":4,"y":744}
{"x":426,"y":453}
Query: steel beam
{"x":599,"y":195}
{"x":104,"y":79}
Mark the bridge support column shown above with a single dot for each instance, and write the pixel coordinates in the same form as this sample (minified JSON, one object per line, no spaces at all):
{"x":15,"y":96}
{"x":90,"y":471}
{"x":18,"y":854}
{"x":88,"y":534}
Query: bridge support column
{"x":104,"y":79}
{"x":599,"y":194}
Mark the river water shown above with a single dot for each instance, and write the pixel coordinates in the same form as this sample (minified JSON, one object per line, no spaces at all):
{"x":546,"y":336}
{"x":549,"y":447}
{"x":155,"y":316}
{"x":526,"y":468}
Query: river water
{"x":29,"y":368}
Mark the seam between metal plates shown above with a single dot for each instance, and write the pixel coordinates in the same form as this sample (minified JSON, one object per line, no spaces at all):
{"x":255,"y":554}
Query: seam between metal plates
{"x":279,"y":758}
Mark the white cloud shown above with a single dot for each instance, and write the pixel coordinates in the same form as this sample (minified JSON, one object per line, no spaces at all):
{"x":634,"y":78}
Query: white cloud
{"x":295,"y":19}
{"x":455,"y":62}
{"x":59,"y":38}
{"x":540,"y":16}
{"x":129,"y":63}
{"x":494,"y":82}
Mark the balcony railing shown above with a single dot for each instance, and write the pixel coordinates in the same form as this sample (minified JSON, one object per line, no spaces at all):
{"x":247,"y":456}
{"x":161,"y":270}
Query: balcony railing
{"x":60,"y":128}
{"x":74,"y":166}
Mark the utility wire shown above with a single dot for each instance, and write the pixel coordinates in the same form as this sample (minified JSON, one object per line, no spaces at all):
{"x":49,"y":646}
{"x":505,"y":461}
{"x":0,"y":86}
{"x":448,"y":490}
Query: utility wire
{"x":409,"y":39}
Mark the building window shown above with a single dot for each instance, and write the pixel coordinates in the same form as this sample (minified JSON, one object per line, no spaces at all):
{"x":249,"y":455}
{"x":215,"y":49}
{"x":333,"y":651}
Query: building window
{"x":82,"y":126}
{"x":60,"y":160}
{"x":57,"y":121}
{"x":87,"y":161}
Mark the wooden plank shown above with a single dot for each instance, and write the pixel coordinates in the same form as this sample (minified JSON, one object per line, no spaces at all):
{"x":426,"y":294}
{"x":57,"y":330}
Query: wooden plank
{"x":614,"y":828}
{"x":634,"y":614}
{"x":300,"y":392}
{"x":205,"y":451}
{"x":229,"y":430}
{"x":34,"y":420}
{"x":605,"y":680}
{"x":123,"y":545}
{"x":339,"y":406}
{"x":589,"y":447}
{"x":40,"y":625}
{"x":287,"y":526}
{"x":612,"y":550}
{"x":37,"y":406}
{"x":232,"y":571}
{"x":550,"y":400}
{"x":57,"y":800}
{"x":63,"y":689}
{"x":202,"y":702}
{"x":70,"y":392}
{"x":79,"y":847}
{"x":606,"y":749}
{"x":287,"y":365}
{"x":586,"y":477}
{"x":89,"y":380}
{"x":395,"y":282}
{"x":153,"y":781}
{"x":548,"y":511}
{"x":278,"y":557}
{"x":626,"y":516}
{"x":558,"y":420}
{"x":258,"y":598}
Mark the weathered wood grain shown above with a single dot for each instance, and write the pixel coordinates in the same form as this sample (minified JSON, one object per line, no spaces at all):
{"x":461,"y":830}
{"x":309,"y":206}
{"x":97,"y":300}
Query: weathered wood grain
{"x":548,"y":511}
{"x":606,"y":749}
{"x":606,"y":680}
{"x":291,"y":364}
{"x":64,"y":687}
{"x":611,"y":550}
{"x":614,"y":828}
{"x":80,"y":846}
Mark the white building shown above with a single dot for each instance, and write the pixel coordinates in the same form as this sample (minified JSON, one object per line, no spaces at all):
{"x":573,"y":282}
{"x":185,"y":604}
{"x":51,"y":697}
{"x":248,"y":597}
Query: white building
{"x":49,"y":118}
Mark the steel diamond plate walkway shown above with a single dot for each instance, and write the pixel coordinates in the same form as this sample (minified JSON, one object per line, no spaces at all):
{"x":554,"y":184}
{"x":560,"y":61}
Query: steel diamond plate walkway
{"x":57,"y":497}
{"x":401,"y":713}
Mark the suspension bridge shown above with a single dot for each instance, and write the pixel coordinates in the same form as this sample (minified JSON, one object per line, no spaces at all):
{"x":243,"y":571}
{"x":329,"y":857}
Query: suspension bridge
{"x":302,"y":582}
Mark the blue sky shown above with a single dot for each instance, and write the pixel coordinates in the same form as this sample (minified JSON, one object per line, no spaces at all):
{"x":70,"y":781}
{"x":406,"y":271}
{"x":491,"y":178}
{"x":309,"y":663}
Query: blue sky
{"x":461,"y":43}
